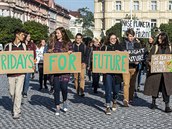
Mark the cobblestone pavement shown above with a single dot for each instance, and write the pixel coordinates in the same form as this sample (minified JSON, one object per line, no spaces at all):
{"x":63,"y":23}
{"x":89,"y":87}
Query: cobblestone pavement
{"x":84,"y":113}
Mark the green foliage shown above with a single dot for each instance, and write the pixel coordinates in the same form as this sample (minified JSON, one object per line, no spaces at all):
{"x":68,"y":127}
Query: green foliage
{"x":69,"y":33}
{"x":86,"y":17}
{"x":117,"y":28}
{"x":37,"y":30}
{"x":7,"y":27}
{"x":88,"y":33}
{"x":168,"y":29}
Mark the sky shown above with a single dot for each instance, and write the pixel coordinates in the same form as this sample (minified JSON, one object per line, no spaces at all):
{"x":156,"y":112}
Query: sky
{"x":75,"y":4}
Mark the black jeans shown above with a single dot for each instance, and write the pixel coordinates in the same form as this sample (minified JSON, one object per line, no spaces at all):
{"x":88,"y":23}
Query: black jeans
{"x":41,"y":75}
{"x":60,"y":86}
{"x":166,"y":98}
{"x":95,"y":83}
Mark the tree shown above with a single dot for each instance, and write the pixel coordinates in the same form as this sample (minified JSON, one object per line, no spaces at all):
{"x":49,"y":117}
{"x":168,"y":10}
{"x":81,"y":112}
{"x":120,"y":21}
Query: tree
{"x":117,"y":28}
{"x":37,"y":30}
{"x":69,"y":33}
{"x":86,"y":17}
{"x":7,"y":27}
{"x":88,"y":33}
{"x":168,"y":29}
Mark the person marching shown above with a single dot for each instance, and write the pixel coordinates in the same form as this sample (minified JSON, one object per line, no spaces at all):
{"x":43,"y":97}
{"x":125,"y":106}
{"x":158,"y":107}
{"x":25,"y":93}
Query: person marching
{"x":95,"y":76}
{"x":79,"y":46}
{"x":16,"y":81}
{"x":156,"y":82}
{"x":112,"y":81}
{"x":62,"y":44}
{"x":130,"y":78}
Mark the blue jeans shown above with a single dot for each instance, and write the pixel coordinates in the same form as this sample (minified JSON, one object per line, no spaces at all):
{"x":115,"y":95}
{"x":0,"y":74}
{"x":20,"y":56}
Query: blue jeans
{"x":110,"y":87}
{"x":26,"y":83}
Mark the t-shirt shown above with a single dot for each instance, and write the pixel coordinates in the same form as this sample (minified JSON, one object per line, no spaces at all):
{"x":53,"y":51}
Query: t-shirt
{"x":40,"y":55}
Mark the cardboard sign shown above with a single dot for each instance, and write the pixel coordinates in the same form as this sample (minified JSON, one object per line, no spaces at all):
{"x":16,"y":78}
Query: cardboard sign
{"x":142,"y":29}
{"x":110,"y":62}
{"x":161,"y":63}
{"x":62,"y":63}
{"x":136,"y":55}
{"x":12,"y":62}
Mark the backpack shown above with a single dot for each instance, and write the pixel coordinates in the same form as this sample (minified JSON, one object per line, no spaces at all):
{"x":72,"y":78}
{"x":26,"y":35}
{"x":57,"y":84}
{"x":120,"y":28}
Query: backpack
{"x":156,"y":48}
{"x":10,"y":46}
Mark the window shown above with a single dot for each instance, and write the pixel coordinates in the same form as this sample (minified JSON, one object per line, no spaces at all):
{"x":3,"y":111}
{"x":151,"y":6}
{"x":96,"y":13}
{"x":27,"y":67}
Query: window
{"x":170,"y":5}
{"x":153,"y":23}
{"x":118,"y":5}
{"x":170,"y":20}
{"x":136,"y":5}
{"x":153,"y":5}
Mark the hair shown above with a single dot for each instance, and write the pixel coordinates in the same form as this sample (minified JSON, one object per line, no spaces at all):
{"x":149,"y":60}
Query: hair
{"x":130,"y":31}
{"x":26,"y":34}
{"x":107,"y":42}
{"x":65,"y":38}
{"x":18,"y":31}
{"x":164,"y":38}
{"x":52,"y":40}
{"x":79,"y":34}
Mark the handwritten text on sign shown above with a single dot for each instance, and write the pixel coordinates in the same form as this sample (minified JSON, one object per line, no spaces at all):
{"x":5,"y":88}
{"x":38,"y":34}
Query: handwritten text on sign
{"x":161,"y":63}
{"x":110,"y":62}
{"x":16,"y":62}
{"x":136,"y":55}
{"x":142,"y":28}
{"x":62,"y":63}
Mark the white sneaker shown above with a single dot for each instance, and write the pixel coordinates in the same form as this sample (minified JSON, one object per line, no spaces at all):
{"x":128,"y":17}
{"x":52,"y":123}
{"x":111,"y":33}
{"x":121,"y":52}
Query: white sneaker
{"x":57,"y":113}
{"x":65,"y":107}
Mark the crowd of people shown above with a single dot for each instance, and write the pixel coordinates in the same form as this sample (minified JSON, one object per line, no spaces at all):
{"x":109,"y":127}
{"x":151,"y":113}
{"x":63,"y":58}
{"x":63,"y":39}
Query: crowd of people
{"x":112,"y":82}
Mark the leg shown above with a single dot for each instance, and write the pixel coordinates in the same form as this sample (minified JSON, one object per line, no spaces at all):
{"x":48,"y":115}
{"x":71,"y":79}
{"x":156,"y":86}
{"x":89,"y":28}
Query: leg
{"x":76,"y":82}
{"x":133,"y":75}
{"x":57,"y":91}
{"x":12,"y":85}
{"x":18,"y":94}
{"x":108,"y":89}
{"x":45,"y":81}
{"x":26,"y":83}
{"x":40,"y":75}
{"x":82,"y":79}
{"x":126,"y":79}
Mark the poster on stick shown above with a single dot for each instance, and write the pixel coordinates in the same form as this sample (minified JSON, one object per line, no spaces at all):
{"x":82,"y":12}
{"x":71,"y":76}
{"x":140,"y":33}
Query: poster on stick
{"x":12,"y":62}
{"x":62,"y":63}
{"x":161,"y":63}
{"x":110,"y":62}
{"x":142,"y":29}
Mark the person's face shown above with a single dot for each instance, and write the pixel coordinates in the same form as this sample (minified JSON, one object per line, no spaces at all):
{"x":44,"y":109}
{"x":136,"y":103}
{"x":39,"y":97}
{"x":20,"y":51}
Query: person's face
{"x":130,"y":37}
{"x":58,"y":35}
{"x":78,"y":39}
{"x":28,"y":37}
{"x":113,"y":39}
{"x":151,"y":40}
{"x":20,"y":36}
{"x":96,"y":43}
{"x":160,"y":40}
{"x":43,"y":43}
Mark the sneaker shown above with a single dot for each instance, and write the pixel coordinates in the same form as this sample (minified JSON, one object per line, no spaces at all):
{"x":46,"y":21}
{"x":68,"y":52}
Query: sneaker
{"x":51,"y":90}
{"x":57,"y":112}
{"x":125,"y":102}
{"x":107,"y":111}
{"x":65,"y":107}
{"x":82,"y":95}
{"x":168,"y":110}
{"x":24,"y":95}
{"x":16,"y":116}
{"x":153,"y":106}
{"x":114,"y":107}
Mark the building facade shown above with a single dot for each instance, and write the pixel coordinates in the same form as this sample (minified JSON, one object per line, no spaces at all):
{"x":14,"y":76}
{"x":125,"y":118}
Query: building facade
{"x":109,"y":12}
{"x":43,"y":11}
{"x":74,"y":26}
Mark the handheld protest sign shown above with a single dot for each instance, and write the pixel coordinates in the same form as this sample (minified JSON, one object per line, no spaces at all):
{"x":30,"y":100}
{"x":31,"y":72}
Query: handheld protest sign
{"x":136,"y":55}
{"x":62,"y":63}
{"x":142,"y":29}
{"x":12,"y":62}
{"x":161,"y":63}
{"x":110,"y":62}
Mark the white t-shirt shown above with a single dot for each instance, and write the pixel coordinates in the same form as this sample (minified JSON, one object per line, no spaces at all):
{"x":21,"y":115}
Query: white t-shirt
{"x":40,"y":55}
{"x":1,"y":47}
